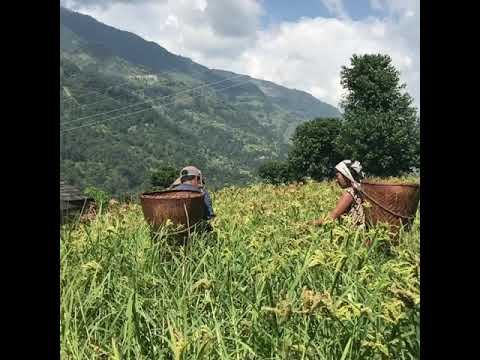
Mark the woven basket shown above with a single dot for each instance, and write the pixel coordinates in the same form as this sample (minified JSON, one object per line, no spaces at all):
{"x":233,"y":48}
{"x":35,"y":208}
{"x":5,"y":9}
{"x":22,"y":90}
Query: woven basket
{"x":393,"y":204}
{"x":181,"y":207}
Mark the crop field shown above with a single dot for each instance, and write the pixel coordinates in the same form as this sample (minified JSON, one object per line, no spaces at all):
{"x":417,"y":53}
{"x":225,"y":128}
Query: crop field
{"x":263,"y":285}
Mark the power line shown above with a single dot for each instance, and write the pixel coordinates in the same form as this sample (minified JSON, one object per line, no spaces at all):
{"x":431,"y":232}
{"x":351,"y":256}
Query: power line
{"x":98,"y":91}
{"x":138,"y":111}
{"x":87,"y":105}
{"x":112,"y":86}
{"x":100,"y":101}
{"x":152,"y":100}
{"x":145,"y":109}
{"x":109,"y":98}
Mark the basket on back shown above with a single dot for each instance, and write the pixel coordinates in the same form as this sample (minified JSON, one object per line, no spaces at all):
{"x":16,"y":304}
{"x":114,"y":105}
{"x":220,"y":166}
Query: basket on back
{"x":394,"y":204}
{"x":181,"y":207}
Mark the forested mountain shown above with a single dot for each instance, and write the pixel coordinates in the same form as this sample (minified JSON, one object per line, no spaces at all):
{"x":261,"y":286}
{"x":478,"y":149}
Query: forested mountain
{"x":128,"y":105}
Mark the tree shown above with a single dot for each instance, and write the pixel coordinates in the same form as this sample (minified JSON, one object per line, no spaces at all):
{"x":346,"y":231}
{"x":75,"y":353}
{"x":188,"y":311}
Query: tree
{"x":275,"y":171}
{"x":101,"y":197}
{"x":163,"y":176}
{"x":381,"y":127}
{"x":314,"y":152}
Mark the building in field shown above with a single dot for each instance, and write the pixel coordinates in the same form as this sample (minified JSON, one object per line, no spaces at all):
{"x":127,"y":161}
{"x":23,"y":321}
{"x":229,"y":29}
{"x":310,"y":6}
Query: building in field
{"x":72,"y":201}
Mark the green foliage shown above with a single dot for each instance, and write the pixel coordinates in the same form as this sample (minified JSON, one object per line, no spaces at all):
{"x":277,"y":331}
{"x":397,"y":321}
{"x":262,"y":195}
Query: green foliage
{"x":101,"y":197}
{"x":163,"y":176}
{"x":263,"y":285}
{"x":381,"y":128}
{"x":276,"y":172}
{"x":226,"y":130}
{"x":117,"y":155}
{"x":314,"y":152}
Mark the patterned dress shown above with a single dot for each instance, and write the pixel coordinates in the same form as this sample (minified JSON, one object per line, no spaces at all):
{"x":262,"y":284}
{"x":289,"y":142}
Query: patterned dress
{"x":356,"y":209}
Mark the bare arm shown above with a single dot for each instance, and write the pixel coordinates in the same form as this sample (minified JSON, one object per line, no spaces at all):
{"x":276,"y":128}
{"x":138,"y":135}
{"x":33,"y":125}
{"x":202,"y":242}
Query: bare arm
{"x":342,"y":206}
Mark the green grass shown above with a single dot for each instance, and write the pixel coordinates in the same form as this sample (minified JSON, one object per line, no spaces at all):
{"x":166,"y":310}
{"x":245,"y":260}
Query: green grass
{"x":264,"y":285}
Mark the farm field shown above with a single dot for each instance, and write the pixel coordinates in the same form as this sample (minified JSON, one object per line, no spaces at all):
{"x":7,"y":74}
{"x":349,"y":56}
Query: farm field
{"x":264,"y":285}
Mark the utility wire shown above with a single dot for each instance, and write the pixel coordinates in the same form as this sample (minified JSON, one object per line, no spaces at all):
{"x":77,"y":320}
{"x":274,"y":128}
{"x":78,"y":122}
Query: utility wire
{"x":138,"y":111}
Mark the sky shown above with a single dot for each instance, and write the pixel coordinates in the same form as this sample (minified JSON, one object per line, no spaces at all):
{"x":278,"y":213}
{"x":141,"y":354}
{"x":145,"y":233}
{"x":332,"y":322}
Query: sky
{"x":298,"y":44}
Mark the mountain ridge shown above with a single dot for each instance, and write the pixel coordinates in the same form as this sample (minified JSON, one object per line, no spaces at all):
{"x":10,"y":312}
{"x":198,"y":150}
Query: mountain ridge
{"x":227,"y":129}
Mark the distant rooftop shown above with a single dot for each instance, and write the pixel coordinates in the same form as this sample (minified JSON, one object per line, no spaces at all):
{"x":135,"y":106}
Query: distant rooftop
{"x":70,"y":193}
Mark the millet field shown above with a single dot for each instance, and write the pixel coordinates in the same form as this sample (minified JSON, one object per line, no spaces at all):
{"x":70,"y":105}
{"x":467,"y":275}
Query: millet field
{"x":263,"y":285}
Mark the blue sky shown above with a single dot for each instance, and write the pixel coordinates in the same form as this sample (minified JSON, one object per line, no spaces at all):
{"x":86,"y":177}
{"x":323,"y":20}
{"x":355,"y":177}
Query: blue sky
{"x":283,"y":10}
{"x":299,"y":44}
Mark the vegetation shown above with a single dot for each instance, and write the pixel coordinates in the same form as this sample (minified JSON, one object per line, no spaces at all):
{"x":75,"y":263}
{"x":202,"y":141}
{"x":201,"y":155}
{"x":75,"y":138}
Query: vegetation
{"x":227,"y":129}
{"x":276,"y":172}
{"x":99,"y":196}
{"x":163,"y":176}
{"x":381,"y":127}
{"x":263,"y":285}
{"x":117,"y":155}
{"x":314,"y":152}
{"x":394,"y":180}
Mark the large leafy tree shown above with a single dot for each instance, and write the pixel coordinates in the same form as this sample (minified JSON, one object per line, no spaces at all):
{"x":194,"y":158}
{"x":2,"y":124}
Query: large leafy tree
{"x":381,"y":127}
{"x":314,"y":152}
{"x":275,"y":172}
{"x":163,"y":176}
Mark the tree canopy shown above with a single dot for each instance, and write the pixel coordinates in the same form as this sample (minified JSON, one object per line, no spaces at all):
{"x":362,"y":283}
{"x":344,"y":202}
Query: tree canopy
{"x":380,"y":125}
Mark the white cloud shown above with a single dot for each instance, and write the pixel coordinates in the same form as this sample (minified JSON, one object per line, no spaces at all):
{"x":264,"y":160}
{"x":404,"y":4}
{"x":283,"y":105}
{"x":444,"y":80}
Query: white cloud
{"x":306,"y":54}
{"x":78,"y":4}
{"x":336,"y":8}
{"x":199,"y":29}
{"x":200,"y":5}
{"x":233,"y":18}
{"x":172,"y":21}
{"x":309,"y":54}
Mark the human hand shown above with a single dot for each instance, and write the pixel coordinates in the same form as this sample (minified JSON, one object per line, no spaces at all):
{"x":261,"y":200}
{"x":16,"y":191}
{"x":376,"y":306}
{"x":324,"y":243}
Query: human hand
{"x":317,"y":222}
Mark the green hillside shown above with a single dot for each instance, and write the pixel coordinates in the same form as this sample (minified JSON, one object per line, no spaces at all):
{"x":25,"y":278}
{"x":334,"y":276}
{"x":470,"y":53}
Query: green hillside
{"x":126,"y":106}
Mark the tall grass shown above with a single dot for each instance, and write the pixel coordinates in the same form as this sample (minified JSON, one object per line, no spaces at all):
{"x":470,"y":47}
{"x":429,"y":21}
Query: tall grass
{"x":263,"y":285}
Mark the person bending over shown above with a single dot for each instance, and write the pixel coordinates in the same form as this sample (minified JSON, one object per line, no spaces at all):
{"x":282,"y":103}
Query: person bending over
{"x":348,"y":175}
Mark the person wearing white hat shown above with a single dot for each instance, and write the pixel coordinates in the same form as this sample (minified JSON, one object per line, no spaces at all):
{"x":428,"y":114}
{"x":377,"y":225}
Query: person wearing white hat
{"x":191,"y":179}
{"x":348,"y":175}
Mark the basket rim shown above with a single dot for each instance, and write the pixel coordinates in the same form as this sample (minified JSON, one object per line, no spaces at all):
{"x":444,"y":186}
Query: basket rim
{"x":147,"y":195}
{"x":410,"y":184}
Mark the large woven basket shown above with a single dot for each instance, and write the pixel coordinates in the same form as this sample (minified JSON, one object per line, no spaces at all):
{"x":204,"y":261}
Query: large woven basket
{"x":181,"y":207}
{"x":394,"y":204}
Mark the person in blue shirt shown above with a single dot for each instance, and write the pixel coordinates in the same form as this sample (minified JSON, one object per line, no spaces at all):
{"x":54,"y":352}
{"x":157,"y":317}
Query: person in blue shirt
{"x":191,"y":179}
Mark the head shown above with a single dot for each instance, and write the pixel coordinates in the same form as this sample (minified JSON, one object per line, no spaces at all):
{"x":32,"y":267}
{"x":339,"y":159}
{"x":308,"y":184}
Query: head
{"x":342,"y":180}
{"x":191,"y":179}
{"x":348,"y":172}
{"x":191,"y":175}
